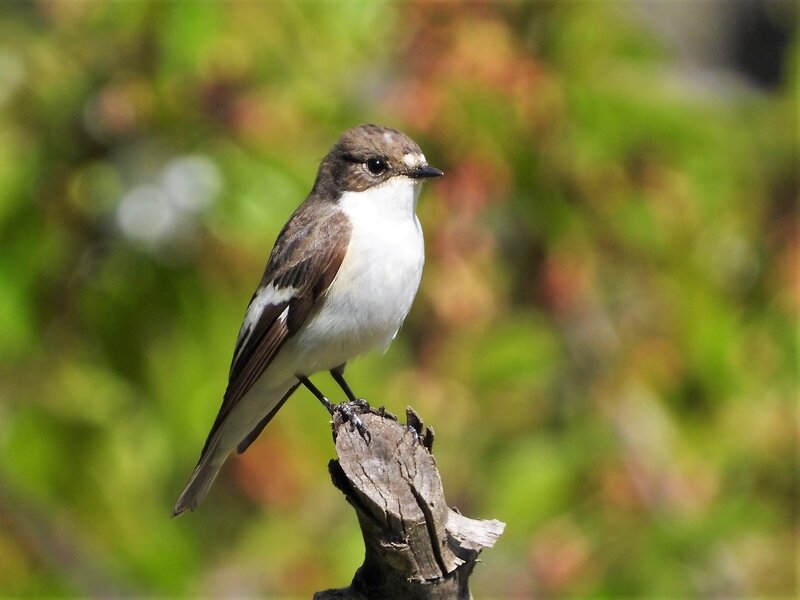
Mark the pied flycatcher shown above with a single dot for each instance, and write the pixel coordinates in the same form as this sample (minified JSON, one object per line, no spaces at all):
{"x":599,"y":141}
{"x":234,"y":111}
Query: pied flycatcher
{"x":339,"y":282}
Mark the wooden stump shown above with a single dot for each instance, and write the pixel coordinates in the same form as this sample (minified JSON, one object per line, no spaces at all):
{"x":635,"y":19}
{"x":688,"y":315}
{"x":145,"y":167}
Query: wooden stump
{"x":416,"y":547}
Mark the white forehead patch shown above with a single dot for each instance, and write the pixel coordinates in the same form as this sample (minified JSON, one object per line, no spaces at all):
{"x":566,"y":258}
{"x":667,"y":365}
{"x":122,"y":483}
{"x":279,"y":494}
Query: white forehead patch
{"x":388,"y":137}
{"x":413,"y":159}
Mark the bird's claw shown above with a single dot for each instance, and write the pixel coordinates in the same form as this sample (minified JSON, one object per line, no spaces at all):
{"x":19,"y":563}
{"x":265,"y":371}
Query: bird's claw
{"x":361,"y":404}
{"x":347,"y":411}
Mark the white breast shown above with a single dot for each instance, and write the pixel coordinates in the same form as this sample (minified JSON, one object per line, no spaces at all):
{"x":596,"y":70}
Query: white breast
{"x":378,"y":279}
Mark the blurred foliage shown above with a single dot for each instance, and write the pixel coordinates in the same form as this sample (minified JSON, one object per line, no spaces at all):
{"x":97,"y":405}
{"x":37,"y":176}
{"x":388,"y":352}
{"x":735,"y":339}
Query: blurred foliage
{"x":604,"y":340}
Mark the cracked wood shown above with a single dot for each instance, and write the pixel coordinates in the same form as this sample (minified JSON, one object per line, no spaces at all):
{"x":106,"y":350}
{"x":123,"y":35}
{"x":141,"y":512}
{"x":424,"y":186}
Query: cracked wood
{"x":416,"y":546}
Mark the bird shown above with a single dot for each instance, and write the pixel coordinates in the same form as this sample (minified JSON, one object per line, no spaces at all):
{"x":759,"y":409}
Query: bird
{"x":339,"y":283}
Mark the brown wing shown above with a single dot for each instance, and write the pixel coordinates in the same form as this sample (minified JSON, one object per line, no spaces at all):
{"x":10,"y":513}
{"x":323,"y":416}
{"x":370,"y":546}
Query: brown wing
{"x":303,"y":264}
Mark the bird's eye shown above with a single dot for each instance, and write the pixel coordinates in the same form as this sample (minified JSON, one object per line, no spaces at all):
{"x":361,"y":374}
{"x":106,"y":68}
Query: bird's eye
{"x":376,"y":166}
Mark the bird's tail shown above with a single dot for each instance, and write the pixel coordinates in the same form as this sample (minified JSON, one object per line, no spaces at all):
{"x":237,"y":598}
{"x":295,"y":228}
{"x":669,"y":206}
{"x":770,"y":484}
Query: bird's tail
{"x":238,"y":429}
{"x":202,"y":477}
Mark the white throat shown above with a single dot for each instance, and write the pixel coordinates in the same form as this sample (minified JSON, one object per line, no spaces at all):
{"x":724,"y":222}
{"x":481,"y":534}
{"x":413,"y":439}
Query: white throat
{"x":393,"y":200}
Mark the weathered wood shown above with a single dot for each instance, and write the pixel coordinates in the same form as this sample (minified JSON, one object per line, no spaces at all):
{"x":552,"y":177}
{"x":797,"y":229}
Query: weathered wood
{"x":416,"y":547}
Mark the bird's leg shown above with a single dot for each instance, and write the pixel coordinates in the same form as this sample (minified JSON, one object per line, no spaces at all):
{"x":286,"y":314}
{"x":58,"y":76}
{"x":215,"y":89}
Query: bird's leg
{"x":338,"y":376}
{"x":319,"y":395}
{"x":345,"y":409}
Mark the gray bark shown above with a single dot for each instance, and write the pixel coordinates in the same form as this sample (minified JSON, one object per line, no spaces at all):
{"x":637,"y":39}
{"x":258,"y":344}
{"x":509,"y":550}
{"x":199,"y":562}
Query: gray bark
{"x":416,"y":546}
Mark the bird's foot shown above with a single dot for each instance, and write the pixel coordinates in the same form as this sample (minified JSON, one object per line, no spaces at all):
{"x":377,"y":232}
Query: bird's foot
{"x":349,"y":413}
{"x":361,"y":404}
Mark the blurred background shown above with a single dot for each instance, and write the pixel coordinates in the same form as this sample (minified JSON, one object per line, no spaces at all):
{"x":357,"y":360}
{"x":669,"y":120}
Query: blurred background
{"x":605,"y":336}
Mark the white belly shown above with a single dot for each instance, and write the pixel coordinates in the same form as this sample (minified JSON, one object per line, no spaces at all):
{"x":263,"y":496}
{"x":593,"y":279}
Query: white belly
{"x":376,"y":283}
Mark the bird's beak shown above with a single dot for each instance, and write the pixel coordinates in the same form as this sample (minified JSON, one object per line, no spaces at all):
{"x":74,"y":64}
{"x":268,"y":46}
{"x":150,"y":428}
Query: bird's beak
{"x":424,"y":172}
